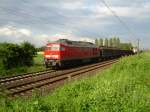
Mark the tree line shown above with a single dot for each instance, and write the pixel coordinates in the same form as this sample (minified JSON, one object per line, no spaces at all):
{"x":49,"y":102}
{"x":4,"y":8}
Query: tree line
{"x":113,"y":42}
{"x":16,"y":55}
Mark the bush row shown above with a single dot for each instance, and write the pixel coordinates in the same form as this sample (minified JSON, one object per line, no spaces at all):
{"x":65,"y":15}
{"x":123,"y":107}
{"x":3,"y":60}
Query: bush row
{"x":14,"y":55}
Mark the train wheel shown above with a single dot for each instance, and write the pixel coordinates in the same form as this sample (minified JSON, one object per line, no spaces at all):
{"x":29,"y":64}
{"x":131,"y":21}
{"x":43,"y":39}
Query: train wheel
{"x":56,"y":67}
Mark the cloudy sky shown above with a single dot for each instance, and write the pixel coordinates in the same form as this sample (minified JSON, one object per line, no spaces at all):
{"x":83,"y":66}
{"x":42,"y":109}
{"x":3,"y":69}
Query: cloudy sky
{"x":38,"y":21}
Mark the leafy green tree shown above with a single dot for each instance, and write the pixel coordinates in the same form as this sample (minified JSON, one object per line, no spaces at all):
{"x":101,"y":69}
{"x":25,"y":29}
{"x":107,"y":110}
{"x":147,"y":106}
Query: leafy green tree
{"x":101,"y":42}
{"x":114,"y":42}
{"x":40,"y":49}
{"x":29,"y":51}
{"x":9,"y":54}
{"x":117,"y":42}
{"x":96,"y":41}
{"x":110,"y":42}
{"x":106,"y":42}
{"x":13,"y":55}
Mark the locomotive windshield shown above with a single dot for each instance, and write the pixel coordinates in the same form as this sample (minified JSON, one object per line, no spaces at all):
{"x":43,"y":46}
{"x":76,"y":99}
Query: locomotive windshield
{"x":55,"y":48}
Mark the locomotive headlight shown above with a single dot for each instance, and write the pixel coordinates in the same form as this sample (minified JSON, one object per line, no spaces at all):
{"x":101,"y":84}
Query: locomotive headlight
{"x":55,"y":56}
{"x":51,"y":56}
{"x":47,"y":56}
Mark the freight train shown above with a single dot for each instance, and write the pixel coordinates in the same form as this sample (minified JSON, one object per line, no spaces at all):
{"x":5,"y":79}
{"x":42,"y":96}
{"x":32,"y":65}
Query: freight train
{"x":65,"y":52}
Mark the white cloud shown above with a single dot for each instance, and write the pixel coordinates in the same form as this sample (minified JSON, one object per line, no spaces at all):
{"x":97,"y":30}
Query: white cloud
{"x":12,"y":31}
{"x":63,"y":36}
{"x":70,"y":37}
{"x":15,"y":35}
{"x":25,"y":32}
{"x":86,"y":39}
{"x":42,"y":39}
{"x":73,"y":5}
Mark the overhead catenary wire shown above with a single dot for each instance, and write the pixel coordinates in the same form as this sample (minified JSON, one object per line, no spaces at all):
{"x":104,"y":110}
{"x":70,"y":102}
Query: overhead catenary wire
{"x":132,"y":34}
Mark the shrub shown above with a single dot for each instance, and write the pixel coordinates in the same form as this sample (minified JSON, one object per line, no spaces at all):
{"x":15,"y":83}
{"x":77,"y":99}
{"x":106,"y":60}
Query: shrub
{"x":13,"y":55}
{"x":28,"y":52}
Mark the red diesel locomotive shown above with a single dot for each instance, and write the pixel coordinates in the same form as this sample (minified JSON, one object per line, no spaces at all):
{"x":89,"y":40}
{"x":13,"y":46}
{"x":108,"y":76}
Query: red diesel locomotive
{"x":65,"y":52}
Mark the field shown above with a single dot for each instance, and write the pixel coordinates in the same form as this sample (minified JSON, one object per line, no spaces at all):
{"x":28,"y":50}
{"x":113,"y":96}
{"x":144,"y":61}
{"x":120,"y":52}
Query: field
{"x":37,"y":66}
{"x":123,"y":88}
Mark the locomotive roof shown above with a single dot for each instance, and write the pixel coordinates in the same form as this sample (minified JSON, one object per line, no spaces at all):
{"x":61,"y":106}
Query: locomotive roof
{"x":76,"y":43}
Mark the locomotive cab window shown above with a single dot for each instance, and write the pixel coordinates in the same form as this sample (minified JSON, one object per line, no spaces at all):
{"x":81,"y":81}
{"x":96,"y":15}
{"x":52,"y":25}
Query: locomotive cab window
{"x":55,"y":48}
{"x":48,"y":48}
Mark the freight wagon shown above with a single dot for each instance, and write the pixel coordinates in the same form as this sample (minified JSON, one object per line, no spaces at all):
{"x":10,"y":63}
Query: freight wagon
{"x":112,"y":52}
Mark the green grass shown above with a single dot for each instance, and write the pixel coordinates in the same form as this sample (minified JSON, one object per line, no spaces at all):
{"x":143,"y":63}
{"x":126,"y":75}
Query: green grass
{"x":37,"y":66}
{"x":123,"y":88}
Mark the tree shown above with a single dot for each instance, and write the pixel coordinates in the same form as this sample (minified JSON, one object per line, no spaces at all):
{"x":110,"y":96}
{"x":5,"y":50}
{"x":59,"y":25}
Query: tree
{"x":117,"y":42}
{"x":13,"y":55}
{"x":106,"y":42}
{"x":96,"y":41}
{"x":101,"y":42}
{"x":28,"y":51}
{"x":114,"y":42}
{"x":110,"y":42}
{"x":10,"y":55}
{"x":40,"y":49}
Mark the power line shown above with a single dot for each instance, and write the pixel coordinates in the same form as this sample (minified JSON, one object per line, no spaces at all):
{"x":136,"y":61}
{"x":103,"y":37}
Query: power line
{"x":118,"y":18}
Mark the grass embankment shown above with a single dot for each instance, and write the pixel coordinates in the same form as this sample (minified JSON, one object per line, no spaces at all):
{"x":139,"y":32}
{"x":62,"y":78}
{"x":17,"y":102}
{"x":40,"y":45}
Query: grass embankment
{"x":37,"y":66}
{"x":125,"y":87}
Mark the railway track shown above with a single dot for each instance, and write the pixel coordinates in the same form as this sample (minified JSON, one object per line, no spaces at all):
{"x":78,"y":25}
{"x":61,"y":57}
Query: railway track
{"x":25,"y":75}
{"x":46,"y":80}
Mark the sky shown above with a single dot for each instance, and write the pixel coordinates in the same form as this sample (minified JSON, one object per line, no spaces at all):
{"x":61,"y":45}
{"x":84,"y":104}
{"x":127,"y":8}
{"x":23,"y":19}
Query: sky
{"x":40,"y":21}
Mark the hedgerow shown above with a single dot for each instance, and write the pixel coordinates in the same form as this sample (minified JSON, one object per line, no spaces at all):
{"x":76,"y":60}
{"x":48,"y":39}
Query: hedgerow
{"x":14,"y":55}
